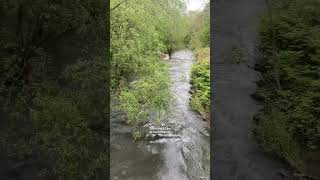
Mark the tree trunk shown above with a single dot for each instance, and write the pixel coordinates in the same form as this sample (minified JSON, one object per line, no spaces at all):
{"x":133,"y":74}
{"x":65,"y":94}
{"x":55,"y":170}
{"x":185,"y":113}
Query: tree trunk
{"x":170,"y":51}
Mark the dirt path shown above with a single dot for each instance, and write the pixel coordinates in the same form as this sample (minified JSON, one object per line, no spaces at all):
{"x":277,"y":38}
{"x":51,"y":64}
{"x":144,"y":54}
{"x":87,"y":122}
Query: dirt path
{"x":234,"y":149}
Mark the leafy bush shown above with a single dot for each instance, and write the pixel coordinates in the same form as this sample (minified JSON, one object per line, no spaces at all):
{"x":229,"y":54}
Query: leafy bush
{"x":140,"y":30}
{"x":200,"y":73}
{"x":200,"y":80}
{"x":147,"y":95}
{"x":289,"y":124}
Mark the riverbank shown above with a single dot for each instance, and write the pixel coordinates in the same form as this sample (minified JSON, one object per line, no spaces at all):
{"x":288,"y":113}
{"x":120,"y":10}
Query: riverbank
{"x":200,"y":81}
{"x":288,"y":126}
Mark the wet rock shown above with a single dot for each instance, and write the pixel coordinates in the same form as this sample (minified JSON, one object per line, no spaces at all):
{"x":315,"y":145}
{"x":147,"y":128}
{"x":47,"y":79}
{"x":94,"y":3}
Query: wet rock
{"x":156,"y":137}
{"x":282,"y":173}
{"x":258,"y":97}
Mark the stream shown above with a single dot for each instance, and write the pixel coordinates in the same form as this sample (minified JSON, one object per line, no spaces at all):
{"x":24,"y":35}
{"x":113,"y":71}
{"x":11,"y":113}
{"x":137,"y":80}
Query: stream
{"x":179,"y":145}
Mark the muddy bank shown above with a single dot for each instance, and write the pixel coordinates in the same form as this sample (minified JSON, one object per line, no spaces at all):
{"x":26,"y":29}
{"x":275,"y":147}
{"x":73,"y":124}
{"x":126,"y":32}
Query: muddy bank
{"x":234,"y":150}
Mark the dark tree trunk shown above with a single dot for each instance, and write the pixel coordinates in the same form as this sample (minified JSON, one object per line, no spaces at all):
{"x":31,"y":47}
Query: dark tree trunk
{"x":170,"y":51}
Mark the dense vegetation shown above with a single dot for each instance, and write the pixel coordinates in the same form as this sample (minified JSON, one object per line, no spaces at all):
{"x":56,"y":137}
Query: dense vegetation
{"x":200,"y":80}
{"x":200,"y":27}
{"x":140,"y":31}
{"x":54,"y":89}
{"x":200,"y":73}
{"x":289,"y":124}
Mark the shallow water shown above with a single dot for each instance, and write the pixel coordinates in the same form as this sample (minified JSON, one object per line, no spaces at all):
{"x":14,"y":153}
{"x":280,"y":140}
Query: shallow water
{"x":179,"y":146}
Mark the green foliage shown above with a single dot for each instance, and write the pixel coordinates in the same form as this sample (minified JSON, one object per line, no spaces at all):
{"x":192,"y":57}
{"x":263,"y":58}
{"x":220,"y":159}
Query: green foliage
{"x":200,"y":80}
{"x":291,"y":79}
{"x":140,"y":30}
{"x":202,"y":55}
{"x":135,"y":42}
{"x":147,"y":95}
{"x":274,"y":136}
{"x":137,"y":135}
{"x":54,"y":87}
{"x":63,"y":132}
{"x":200,"y":73}
{"x":201,"y":28}
{"x":173,"y":24}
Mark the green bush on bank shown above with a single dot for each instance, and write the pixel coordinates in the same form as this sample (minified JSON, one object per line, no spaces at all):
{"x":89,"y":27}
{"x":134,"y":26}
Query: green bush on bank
{"x":200,"y":73}
{"x":289,"y":124}
{"x":200,"y":81}
{"x":147,"y":95}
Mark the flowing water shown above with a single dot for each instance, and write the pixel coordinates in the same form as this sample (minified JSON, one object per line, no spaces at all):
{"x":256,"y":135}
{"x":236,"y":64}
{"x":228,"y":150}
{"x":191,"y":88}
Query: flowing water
{"x":177,"y":147}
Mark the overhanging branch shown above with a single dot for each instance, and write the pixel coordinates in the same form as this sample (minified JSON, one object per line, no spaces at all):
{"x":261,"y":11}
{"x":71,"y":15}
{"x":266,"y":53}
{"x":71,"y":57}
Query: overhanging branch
{"x":118,"y":5}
